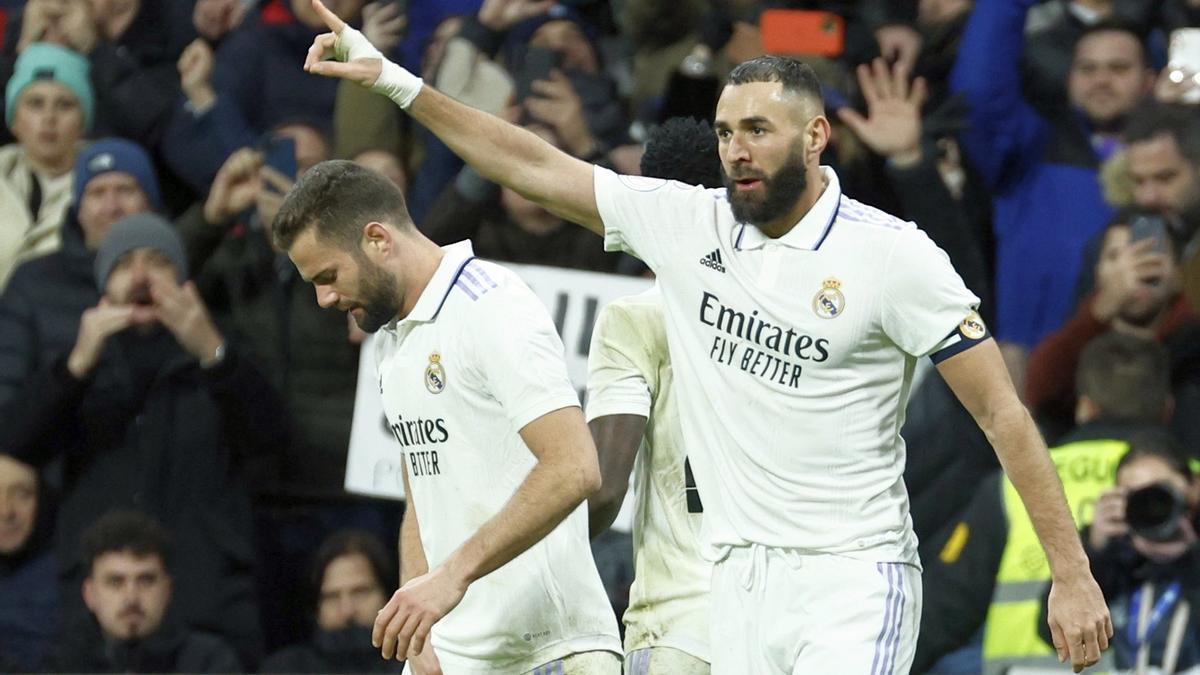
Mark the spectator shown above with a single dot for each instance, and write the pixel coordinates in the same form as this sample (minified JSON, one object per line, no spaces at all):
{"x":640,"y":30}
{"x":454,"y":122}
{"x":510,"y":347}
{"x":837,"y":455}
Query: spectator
{"x":41,"y":305}
{"x":214,"y":19}
{"x":1160,"y":170}
{"x":50,"y":108}
{"x":351,"y":577}
{"x":1031,"y":160}
{"x":990,"y":569}
{"x":307,"y":354}
{"x":28,"y":569}
{"x":386,"y":163}
{"x":153,"y":408}
{"x":1051,"y":32}
{"x":1138,"y":292}
{"x":133,"y":65}
{"x":1142,"y":546}
{"x":128,"y":591}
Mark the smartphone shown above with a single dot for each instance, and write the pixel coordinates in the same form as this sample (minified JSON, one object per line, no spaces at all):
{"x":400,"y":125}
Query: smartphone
{"x":279,"y":153}
{"x":802,"y":32}
{"x":536,"y":65}
{"x":1183,"y":61}
{"x":1149,"y":227}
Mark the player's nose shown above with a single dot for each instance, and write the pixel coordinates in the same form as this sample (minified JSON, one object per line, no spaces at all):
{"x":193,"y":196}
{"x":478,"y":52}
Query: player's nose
{"x":326,"y":297}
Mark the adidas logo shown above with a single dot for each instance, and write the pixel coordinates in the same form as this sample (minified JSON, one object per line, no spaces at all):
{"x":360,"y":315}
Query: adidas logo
{"x":713,"y":261}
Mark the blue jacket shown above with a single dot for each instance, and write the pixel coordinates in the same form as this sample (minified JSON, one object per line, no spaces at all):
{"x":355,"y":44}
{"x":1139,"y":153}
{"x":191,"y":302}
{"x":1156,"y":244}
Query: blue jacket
{"x":28,"y":611}
{"x":1041,"y":168}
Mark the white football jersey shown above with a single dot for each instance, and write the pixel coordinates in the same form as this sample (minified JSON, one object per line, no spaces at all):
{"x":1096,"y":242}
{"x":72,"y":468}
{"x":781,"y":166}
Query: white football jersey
{"x":629,"y":373}
{"x":474,"y":362}
{"x":793,"y":358}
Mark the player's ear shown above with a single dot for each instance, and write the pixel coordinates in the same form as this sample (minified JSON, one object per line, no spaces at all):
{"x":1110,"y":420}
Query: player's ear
{"x":377,"y":238}
{"x":817,"y":134}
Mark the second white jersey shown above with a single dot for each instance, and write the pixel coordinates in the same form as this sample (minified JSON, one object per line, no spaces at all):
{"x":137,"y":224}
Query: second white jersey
{"x":793,"y":358}
{"x":629,"y":373}
{"x":475,"y":361}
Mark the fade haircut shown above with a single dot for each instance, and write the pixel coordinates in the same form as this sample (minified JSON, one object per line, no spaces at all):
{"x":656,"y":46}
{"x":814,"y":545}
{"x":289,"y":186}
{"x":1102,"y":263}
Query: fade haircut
{"x":1119,"y":25}
{"x":684,"y":149}
{"x":125,"y":532}
{"x":1126,"y":377}
{"x":338,"y":198}
{"x":1178,"y":121}
{"x":795,"y":75}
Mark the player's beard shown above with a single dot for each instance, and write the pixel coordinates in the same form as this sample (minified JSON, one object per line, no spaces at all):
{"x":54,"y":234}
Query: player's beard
{"x":380,"y":296}
{"x":780,"y":191}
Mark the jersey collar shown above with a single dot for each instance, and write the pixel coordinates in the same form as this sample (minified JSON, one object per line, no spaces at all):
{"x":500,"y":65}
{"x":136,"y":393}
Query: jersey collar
{"x":812,"y":228}
{"x":455,"y":257}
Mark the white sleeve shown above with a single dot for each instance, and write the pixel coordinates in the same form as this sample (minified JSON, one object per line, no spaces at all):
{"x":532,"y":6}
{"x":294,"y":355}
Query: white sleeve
{"x":646,"y":216}
{"x":617,"y":382}
{"x":924,"y":299}
{"x":519,"y":354}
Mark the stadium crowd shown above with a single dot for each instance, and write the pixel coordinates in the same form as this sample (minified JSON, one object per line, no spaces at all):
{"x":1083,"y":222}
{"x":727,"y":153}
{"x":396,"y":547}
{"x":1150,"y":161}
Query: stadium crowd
{"x":175,"y":408}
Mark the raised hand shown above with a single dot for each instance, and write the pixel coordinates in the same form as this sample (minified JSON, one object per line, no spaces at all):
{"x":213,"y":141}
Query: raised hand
{"x":500,"y":15}
{"x":1123,"y":277}
{"x":181,"y":310}
{"x":95,"y":327}
{"x":195,"y":73}
{"x":235,"y":188}
{"x":383,"y":25}
{"x":892,"y":127}
{"x":1108,"y":520}
{"x":557,"y":105}
{"x":353,"y":57}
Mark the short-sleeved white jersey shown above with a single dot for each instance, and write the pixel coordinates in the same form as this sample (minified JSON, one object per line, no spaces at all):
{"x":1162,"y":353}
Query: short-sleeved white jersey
{"x":793,"y":358}
{"x":629,"y":373}
{"x":475,"y":361}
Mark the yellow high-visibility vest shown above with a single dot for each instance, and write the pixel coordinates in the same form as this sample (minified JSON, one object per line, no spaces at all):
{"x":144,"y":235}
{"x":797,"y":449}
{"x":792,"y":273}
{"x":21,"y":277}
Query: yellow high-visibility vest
{"x":1010,"y":638}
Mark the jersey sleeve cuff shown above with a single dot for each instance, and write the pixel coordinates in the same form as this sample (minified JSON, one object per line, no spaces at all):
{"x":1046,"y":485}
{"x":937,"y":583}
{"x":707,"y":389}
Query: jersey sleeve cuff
{"x":541,"y":407}
{"x":597,"y":409}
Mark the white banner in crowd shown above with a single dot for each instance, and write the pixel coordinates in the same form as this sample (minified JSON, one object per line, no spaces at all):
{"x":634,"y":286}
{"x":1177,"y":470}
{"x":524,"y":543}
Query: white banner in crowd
{"x":574,"y":299}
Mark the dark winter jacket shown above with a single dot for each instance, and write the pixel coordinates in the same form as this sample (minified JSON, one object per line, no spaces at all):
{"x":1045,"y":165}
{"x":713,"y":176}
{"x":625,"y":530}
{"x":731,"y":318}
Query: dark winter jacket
{"x":150,"y":430}
{"x":171,"y":650}
{"x":1042,"y":170}
{"x":344,"y":651}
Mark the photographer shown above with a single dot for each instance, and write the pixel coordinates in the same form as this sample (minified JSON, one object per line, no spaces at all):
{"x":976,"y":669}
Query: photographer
{"x":1142,"y":546}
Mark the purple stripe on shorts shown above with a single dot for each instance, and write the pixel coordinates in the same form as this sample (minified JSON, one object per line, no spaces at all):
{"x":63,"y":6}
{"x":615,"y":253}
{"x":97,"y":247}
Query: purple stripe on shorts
{"x":465,"y":289}
{"x":878,"y":661}
{"x":894,"y":643}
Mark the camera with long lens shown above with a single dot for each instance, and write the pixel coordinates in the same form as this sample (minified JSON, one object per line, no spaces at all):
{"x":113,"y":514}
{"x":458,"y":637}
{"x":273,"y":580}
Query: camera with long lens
{"x":1155,"y":511}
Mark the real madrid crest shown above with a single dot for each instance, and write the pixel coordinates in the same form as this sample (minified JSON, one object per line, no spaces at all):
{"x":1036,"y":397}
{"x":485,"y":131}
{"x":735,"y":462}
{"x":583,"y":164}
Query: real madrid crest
{"x":972,"y":327}
{"x":829,"y":302}
{"x":435,"y":374}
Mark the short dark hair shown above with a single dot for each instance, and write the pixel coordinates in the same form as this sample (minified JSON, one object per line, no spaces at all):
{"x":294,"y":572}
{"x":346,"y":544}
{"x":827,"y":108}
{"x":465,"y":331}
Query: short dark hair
{"x":1119,"y":25}
{"x":1126,"y":377}
{"x":795,"y":75}
{"x":122,"y":531}
{"x":352,"y":542}
{"x":1160,"y":444}
{"x":1176,"y":120}
{"x":338,"y":198}
{"x":683,"y":149}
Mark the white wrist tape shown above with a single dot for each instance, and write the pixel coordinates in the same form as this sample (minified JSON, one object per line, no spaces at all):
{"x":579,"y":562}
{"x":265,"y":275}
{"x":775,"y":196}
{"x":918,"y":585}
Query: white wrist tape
{"x":397,"y":84}
{"x":393,"y":82}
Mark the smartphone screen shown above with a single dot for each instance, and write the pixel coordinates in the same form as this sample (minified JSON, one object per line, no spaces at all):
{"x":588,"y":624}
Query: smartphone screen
{"x":799,"y":31}
{"x":536,"y":65}
{"x":1149,"y":227}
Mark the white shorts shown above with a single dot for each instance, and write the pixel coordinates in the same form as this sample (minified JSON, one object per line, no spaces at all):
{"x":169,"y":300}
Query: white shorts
{"x":664,"y":661}
{"x":783,"y":612}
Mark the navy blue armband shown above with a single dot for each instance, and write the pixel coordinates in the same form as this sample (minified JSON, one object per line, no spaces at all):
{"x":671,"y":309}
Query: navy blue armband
{"x":970,"y":332}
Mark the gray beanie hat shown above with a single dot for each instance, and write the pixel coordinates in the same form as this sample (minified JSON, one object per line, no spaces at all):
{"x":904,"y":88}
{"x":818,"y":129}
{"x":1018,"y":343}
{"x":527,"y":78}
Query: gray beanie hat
{"x":143,"y":230}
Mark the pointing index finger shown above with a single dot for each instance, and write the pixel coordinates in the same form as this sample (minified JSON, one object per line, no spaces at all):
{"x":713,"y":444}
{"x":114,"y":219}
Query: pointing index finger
{"x":335,"y":24}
